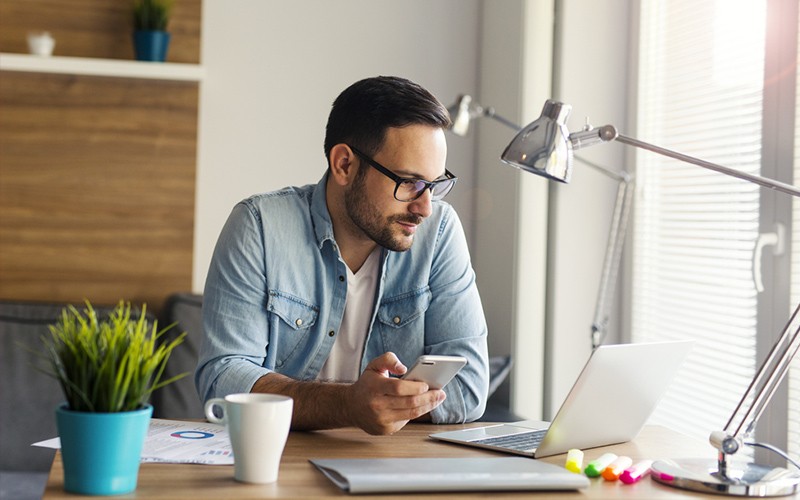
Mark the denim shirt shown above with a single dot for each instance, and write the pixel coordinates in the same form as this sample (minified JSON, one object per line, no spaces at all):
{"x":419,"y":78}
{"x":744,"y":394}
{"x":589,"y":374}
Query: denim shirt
{"x":275,"y":296}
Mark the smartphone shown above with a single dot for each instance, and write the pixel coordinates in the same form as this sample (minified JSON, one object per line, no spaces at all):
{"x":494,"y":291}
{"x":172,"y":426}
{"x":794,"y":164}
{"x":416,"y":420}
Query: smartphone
{"x":436,"y":371}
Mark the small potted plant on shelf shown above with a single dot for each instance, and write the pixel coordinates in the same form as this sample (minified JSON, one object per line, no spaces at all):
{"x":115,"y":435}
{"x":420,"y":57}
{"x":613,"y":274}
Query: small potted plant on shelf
{"x":107,"y":368}
{"x":150,"y":36}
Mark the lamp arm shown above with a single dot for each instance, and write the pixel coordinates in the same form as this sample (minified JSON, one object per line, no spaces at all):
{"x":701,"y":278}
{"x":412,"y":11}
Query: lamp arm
{"x":774,"y":369}
{"x":489,"y":112}
{"x":621,"y":176}
{"x":613,"y":255}
{"x":609,"y":133}
{"x":775,"y":379}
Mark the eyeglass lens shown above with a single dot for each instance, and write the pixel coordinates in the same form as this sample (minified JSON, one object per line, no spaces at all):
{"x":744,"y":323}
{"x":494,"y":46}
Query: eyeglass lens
{"x":409,"y":190}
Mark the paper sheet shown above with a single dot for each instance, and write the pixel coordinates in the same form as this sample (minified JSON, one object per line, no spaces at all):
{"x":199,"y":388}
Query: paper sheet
{"x":181,"y":442}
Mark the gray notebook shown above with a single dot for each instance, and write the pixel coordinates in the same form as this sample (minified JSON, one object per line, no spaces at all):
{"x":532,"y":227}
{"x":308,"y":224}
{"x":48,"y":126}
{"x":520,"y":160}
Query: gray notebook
{"x":395,"y":475}
{"x":609,"y":403}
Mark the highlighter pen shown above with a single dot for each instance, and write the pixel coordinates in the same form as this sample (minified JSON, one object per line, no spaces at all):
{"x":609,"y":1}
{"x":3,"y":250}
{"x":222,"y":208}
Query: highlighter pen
{"x":597,"y":466}
{"x":617,"y":467}
{"x":635,"y":473}
{"x":574,"y":461}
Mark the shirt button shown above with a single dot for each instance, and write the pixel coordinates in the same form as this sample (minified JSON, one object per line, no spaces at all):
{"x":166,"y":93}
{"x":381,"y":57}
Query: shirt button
{"x":298,"y":322}
{"x":331,"y":333}
{"x":341,"y":278}
{"x":396,"y":320}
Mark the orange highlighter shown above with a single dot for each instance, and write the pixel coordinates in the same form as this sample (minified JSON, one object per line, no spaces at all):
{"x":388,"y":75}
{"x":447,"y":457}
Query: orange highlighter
{"x":616,"y":468}
{"x":635,"y":473}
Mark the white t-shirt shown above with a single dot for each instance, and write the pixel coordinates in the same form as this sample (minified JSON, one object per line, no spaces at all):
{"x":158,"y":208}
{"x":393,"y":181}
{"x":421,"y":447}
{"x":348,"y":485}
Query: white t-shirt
{"x":344,"y":361}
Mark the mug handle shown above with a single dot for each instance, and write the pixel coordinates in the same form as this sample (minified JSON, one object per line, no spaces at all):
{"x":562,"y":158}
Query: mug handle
{"x":209,"y":410}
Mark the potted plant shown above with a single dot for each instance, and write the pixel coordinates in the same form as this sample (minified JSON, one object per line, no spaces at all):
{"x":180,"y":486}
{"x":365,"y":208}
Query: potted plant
{"x":107,"y":368}
{"x":150,"y":36}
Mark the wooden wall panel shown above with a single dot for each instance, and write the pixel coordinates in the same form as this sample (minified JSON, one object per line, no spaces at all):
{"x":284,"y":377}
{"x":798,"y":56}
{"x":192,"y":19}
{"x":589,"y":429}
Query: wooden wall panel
{"x":95,"y":28}
{"x":97,"y":181}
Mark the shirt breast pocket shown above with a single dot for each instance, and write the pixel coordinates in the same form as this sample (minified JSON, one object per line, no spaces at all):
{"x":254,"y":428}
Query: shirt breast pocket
{"x":291,"y":320}
{"x":402,"y":323}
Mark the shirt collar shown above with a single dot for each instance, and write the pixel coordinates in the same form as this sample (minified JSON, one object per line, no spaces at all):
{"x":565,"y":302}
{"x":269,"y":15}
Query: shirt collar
{"x":321,"y":218}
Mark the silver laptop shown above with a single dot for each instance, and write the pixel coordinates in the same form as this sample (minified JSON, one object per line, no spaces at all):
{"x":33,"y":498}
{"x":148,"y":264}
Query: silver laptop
{"x":609,"y":403}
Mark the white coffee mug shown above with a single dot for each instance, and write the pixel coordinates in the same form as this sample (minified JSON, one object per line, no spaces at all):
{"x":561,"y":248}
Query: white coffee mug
{"x":258,"y":425}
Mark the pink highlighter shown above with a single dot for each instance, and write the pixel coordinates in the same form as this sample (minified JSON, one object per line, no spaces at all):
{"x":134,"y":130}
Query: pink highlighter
{"x":636,"y":472}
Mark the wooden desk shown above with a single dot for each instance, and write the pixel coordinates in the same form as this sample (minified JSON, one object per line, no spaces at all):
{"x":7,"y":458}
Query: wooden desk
{"x":299,"y":479}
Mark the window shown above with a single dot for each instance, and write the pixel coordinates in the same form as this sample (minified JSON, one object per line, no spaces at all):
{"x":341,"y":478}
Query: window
{"x":794,"y":374}
{"x":701,"y":91}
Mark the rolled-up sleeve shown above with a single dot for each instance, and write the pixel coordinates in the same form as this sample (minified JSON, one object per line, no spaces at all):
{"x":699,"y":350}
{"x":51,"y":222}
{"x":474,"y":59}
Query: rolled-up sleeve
{"x":235,"y":326}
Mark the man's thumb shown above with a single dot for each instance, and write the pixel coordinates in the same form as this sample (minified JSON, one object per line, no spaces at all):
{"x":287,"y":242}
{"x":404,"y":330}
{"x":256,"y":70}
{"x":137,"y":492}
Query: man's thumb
{"x":387,"y":362}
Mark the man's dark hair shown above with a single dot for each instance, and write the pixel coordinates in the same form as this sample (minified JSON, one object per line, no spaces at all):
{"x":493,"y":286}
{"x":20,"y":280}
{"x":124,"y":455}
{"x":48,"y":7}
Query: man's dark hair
{"x":364,"y":110}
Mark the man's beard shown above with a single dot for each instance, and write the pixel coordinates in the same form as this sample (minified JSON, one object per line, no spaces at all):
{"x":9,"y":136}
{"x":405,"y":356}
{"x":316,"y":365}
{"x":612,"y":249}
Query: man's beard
{"x":366,"y":217}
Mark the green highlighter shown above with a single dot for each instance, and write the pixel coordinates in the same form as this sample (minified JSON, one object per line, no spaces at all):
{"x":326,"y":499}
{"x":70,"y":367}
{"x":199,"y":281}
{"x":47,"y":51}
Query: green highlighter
{"x":596,"y":467}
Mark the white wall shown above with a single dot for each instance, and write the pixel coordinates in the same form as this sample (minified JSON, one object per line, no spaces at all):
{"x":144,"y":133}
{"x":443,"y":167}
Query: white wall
{"x":511,"y":221}
{"x":274,"y":68}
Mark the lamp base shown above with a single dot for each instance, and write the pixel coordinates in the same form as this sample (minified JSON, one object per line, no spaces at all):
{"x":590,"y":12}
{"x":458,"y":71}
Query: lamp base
{"x":742,"y":479}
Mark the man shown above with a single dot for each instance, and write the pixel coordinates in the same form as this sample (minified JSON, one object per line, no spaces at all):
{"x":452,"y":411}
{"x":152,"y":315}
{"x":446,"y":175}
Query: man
{"x":326,"y":293}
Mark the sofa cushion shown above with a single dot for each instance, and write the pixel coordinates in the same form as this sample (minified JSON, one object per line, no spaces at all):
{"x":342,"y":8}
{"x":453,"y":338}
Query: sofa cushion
{"x":179,"y":399}
{"x":29,"y":397}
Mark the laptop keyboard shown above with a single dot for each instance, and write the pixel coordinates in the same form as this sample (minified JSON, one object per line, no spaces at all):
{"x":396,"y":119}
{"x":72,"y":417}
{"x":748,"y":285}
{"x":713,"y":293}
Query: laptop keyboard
{"x":524,"y":441}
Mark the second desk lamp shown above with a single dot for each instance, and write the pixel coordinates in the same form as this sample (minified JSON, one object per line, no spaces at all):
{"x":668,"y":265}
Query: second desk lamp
{"x":466,"y":109}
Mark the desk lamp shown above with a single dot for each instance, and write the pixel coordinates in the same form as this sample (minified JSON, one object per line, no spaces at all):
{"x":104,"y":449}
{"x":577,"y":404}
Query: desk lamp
{"x":465,"y":109}
{"x":545,"y":147}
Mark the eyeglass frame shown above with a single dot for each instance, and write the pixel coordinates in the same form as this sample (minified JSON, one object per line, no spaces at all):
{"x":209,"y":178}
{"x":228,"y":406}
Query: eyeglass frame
{"x":429,"y":185}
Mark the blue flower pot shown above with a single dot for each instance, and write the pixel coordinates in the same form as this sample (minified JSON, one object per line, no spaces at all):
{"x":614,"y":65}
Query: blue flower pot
{"x":101,"y":451}
{"x":151,"y":45}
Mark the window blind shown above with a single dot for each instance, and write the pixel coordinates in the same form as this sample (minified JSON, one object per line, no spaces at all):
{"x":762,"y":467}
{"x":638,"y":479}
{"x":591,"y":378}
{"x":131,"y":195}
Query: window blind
{"x":701,"y":67}
{"x":794,"y":374}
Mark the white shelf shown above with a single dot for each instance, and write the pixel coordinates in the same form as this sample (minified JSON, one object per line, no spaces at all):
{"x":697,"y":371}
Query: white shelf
{"x":101,"y":67}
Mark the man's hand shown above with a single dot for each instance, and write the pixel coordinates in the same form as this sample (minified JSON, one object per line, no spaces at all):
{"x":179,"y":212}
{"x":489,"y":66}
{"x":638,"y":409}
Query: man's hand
{"x":376,"y":402}
{"x":380,"y":404}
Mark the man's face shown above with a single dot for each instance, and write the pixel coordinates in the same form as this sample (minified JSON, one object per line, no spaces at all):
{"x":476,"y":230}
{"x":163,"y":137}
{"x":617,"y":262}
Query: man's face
{"x":416,"y":151}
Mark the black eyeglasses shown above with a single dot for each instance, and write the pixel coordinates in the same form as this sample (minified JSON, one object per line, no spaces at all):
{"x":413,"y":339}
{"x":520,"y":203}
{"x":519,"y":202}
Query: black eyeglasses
{"x":409,"y":189}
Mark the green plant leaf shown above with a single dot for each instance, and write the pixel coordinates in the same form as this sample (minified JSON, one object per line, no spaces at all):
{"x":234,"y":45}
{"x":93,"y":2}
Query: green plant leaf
{"x":107,"y":365}
{"x":151,"y":15}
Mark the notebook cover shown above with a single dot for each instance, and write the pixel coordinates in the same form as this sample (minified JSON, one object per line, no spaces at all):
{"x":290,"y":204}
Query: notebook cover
{"x":394,"y":475}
